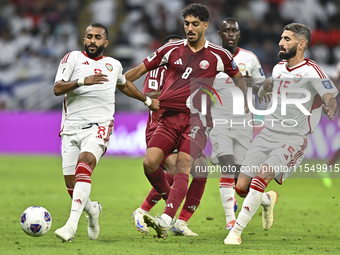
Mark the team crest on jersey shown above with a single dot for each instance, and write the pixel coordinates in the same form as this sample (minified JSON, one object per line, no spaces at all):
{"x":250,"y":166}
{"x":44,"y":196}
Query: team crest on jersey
{"x":327,"y":84}
{"x":151,"y":56}
{"x":297,"y":78}
{"x":204,"y":65}
{"x":109,"y":67}
{"x":242,"y":66}
{"x":216,"y":146}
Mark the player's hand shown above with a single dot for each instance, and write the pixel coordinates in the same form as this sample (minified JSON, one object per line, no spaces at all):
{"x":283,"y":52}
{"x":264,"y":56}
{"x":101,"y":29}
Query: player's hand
{"x":246,"y":107}
{"x":264,"y":95}
{"x":328,"y":111}
{"x":248,"y":79}
{"x":154,"y":105}
{"x":97,"y":78}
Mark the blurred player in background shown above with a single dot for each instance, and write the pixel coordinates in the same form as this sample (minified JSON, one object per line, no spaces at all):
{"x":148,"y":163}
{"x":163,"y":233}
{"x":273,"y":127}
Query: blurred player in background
{"x":152,"y":87}
{"x":336,"y":155}
{"x":88,"y":80}
{"x":181,"y":125}
{"x":230,"y":142}
{"x":279,"y":149}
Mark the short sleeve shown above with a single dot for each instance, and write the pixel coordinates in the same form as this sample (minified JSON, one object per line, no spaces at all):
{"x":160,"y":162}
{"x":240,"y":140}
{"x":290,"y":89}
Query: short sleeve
{"x":66,"y":67}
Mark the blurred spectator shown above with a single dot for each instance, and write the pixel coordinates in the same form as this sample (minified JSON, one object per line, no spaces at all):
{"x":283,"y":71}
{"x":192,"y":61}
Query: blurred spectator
{"x":320,"y":53}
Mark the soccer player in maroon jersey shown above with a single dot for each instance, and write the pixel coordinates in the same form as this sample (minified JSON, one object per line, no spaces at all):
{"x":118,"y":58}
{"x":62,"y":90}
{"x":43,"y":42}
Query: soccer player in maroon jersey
{"x":192,"y":66}
{"x":153,"y":84}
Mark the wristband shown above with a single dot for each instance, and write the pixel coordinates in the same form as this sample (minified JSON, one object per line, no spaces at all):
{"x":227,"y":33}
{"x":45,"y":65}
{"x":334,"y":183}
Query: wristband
{"x":148,"y":101}
{"x":80,"y":81}
{"x":262,"y":92}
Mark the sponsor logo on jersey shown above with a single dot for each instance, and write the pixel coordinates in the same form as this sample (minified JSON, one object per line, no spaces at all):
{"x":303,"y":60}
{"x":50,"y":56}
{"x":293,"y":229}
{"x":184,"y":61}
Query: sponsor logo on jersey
{"x":327,"y":84}
{"x":242,"y":66}
{"x":86,"y":63}
{"x":204,"y":64}
{"x":151,"y":56}
{"x":233,"y":64}
{"x":297,"y":78}
{"x":178,"y":62}
{"x":109,"y":67}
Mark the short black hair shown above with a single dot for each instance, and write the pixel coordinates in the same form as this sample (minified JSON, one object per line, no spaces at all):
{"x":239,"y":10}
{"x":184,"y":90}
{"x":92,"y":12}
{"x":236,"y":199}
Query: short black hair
{"x":229,"y":19}
{"x":169,"y":37}
{"x":299,"y":30}
{"x":198,"y":11}
{"x":100,"y":26}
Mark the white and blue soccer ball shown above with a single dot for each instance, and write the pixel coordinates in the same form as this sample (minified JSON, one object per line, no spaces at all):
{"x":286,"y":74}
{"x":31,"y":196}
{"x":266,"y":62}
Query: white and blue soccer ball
{"x":36,"y":221}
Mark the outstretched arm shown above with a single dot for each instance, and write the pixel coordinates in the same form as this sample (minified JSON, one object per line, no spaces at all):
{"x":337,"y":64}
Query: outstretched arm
{"x":130,"y":90}
{"x":63,"y":87}
{"x":135,"y":73}
{"x":331,"y":105}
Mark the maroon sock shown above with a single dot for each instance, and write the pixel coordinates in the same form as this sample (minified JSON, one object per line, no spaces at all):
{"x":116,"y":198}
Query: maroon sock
{"x":153,"y":196}
{"x":177,"y":194}
{"x":194,"y":195}
{"x":70,"y":192}
{"x":159,"y":182}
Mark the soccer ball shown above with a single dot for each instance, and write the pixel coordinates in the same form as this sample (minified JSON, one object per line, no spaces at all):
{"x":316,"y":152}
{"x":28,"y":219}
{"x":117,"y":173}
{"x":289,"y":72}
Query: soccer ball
{"x":36,"y":221}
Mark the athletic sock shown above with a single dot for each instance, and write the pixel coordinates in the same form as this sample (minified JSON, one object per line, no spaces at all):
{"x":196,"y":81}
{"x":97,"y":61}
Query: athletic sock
{"x":250,"y":204}
{"x":227,"y":192}
{"x":88,"y":206}
{"x":193,"y":198}
{"x":159,"y":182}
{"x":153,"y":197}
{"x":177,"y":194}
{"x":81,"y":193}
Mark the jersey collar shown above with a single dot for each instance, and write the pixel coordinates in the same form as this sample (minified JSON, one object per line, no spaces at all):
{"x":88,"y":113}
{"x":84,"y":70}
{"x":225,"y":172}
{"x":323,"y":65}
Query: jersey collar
{"x":205,"y":45}
{"x":98,"y":58}
{"x":289,"y":69}
{"x":236,"y":52}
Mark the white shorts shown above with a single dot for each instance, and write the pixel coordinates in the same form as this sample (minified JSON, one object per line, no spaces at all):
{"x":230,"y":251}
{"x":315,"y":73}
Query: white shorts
{"x":227,"y":141}
{"x":281,"y":151}
{"x":91,"y":138}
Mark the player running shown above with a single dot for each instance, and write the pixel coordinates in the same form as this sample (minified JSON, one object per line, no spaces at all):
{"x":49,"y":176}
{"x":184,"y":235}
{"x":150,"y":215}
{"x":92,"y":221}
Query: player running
{"x":182,"y":126}
{"x":230,"y":142}
{"x":152,"y":87}
{"x":88,"y":80}
{"x":301,"y":87}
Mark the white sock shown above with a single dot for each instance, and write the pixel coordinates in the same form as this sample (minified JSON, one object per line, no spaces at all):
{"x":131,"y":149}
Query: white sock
{"x":227,"y":197}
{"x":250,"y":205}
{"x":80,"y":196}
{"x":166,"y":218}
{"x":88,"y":208}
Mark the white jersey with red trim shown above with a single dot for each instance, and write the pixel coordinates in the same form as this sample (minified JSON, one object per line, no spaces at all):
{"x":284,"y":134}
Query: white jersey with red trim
{"x":246,"y":61}
{"x":88,"y":104}
{"x":306,"y":76}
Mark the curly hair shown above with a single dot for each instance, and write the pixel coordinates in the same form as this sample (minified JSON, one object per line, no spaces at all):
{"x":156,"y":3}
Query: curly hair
{"x":198,"y":11}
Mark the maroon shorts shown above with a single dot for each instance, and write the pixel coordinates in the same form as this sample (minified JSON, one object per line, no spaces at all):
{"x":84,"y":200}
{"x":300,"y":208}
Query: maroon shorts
{"x":182,"y":131}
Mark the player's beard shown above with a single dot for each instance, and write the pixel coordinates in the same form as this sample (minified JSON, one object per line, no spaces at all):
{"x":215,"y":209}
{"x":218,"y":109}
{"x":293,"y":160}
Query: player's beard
{"x":95,"y":54}
{"x":289,"y":53}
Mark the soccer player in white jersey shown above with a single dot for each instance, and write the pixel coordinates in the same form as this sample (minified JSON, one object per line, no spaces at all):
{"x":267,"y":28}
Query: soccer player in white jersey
{"x":301,"y":88}
{"x":231,"y":141}
{"x":88,"y":80}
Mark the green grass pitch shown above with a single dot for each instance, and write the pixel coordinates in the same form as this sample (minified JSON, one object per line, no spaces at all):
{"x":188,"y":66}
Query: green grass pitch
{"x":307,"y":215}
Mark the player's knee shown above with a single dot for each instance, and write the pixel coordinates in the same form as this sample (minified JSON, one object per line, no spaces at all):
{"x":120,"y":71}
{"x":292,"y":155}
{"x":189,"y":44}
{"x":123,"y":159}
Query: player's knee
{"x":149,"y":165}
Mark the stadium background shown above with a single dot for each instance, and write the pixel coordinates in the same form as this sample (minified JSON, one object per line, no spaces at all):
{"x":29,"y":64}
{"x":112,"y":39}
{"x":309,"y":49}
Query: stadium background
{"x":35,"y":35}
